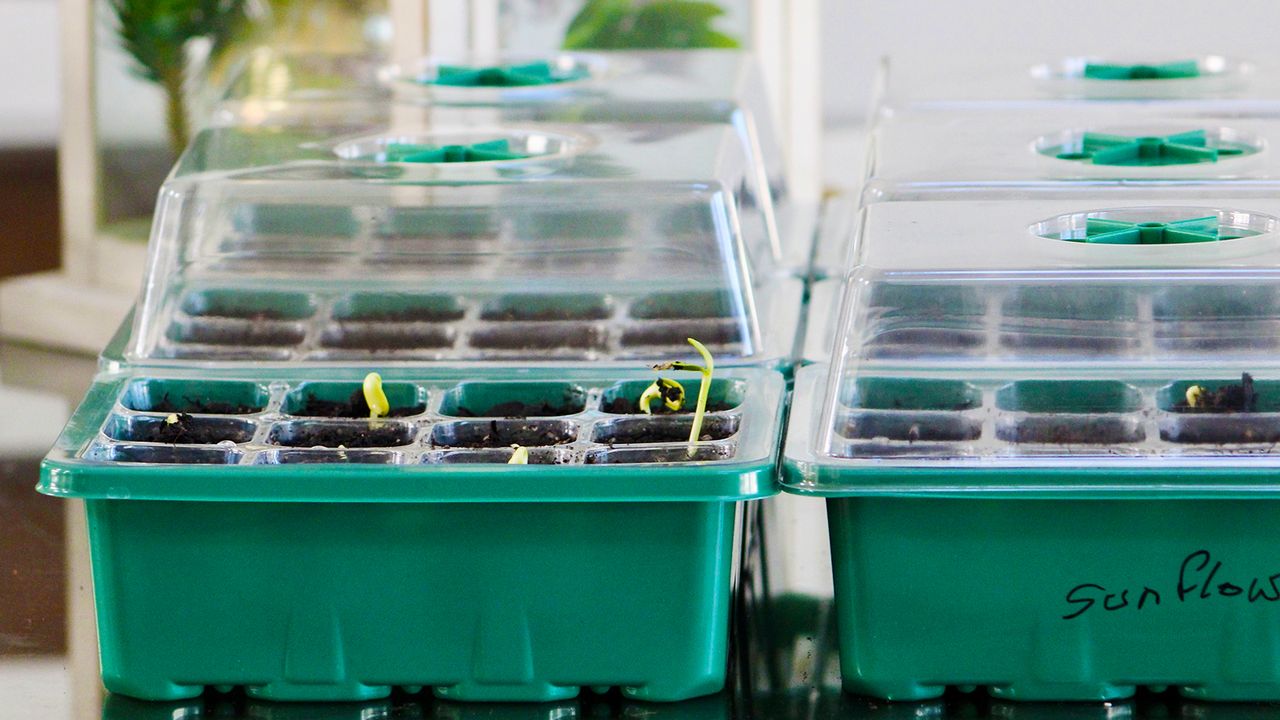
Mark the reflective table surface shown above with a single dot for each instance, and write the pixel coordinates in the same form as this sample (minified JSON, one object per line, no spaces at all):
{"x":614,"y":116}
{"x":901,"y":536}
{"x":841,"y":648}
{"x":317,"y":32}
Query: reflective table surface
{"x":784,"y":659}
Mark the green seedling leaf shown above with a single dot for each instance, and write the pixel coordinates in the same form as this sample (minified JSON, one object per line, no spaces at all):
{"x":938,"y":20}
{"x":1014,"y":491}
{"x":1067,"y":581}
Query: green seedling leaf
{"x":670,"y":392}
{"x":655,"y":24}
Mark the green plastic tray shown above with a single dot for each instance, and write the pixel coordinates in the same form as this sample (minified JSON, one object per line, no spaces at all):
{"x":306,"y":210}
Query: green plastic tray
{"x":398,"y":567}
{"x":1053,"y":599}
{"x":1047,"y":545}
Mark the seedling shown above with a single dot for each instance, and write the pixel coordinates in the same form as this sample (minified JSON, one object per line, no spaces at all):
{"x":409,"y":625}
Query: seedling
{"x":519,"y":455}
{"x":1230,"y":398}
{"x":700,"y":409}
{"x":374,"y":396}
{"x":671,"y":392}
{"x":1195,"y":396}
{"x":174,"y":428}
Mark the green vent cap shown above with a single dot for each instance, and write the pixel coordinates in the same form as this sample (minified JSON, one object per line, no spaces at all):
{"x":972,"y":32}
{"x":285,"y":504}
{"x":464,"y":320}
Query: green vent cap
{"x":1178,"y":70}
{"x":1117,"y":232}
{"x":478,"y":152}
{"x":522,"y":75}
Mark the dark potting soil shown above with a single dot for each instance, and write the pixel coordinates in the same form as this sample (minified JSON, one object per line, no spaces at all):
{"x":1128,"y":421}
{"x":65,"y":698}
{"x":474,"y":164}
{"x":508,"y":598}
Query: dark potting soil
{"x":371,"y":435}
{"x":930,"y":428}
{"x":657,"y":455}
{"x":549,"y":338}
{"x":354,"y":407}
{"x":196,"y":405}
{"x":517,"y":409}
{"x":183,"y":430}
{"x":1072,"y":431}
{"x":173,"y":454}
{"x":433,"y":315}
{"x":1222,"y":431}
{"x":1226,"y":399}
{"x":266,"y":334}
{"x":713,"y":428}
{"x":498,"y":456}
{"x":673,"y":334}
{"x":350,"y":337}
{"x":244,"y":314}
{"x":513,"y":314}
{"x":500,"y":434}
{"x":1065,"y":343}
{"x":627,"y":406}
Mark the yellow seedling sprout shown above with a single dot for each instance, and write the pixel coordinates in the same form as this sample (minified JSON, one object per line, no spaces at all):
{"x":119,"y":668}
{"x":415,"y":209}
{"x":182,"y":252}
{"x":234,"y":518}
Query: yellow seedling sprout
{"x":706,"y":370}
{"x":374,"y":396}
{"x":669,"y":391}
{"x":519,"y":455}
{"x":1195,"y":396}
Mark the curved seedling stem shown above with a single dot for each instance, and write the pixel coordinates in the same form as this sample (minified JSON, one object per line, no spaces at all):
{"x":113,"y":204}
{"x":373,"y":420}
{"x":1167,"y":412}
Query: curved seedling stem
{"x":700,"y":410}
{"x":375,"y":397}
{"x":669,"y":391}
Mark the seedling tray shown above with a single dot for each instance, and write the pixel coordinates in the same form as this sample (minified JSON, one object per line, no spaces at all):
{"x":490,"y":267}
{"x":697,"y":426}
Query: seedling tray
{"x":1030,"y":470}
{"x":1116,"y":541}
{"x":407,"y":553}
{"x":282,"y":326}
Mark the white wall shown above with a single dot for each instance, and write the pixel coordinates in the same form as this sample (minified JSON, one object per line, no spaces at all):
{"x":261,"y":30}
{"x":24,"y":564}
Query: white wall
{"x":857,"y":32}
{"x":28,"y":72}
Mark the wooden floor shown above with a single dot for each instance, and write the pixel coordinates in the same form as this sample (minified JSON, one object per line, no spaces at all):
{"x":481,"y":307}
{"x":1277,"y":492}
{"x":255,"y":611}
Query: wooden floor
{"x":28,"y":211}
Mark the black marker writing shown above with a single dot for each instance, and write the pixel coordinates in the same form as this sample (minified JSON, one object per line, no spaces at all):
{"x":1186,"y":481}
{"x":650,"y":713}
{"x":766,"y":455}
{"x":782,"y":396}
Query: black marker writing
{"x":1200,"y":578}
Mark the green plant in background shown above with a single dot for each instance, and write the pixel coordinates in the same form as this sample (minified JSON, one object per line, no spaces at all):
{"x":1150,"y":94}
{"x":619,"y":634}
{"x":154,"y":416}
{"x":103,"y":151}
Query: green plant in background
{"x":647,"y":25}
{"x":156,"y":33}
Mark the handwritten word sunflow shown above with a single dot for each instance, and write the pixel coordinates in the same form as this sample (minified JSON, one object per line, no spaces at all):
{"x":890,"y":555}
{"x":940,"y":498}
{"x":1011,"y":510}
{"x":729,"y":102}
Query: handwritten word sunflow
{"x":1200,"y":578}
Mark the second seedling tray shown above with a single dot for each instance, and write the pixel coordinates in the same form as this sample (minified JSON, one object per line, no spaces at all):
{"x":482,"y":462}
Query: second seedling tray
{"x":1047,"y":437}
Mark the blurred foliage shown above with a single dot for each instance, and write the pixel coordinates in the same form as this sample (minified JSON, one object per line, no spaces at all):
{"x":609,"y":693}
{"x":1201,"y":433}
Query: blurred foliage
{"x":647,"y":24}
{"x":155,"y":33}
